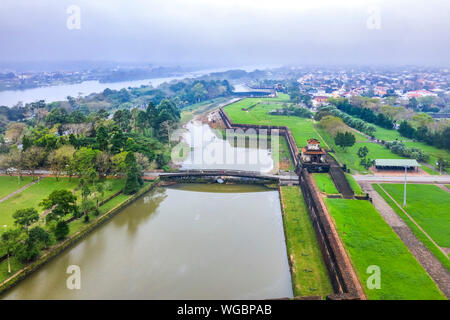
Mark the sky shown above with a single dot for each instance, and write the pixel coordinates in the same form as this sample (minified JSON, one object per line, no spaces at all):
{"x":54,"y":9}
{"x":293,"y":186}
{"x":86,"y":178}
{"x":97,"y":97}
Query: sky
{"x":227,"y":32}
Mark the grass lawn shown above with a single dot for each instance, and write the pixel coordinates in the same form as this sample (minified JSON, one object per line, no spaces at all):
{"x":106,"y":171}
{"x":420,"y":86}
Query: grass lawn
{"x":301,"y":128}
{"x":433,"y":152}
{"x":309,"y":276}
{"x":32,"y":196}
{"x":386,"y":134}
{"x":429,"y":206}
{"x":10,"y":184}
{"x":369,"y":240}
{"x":355,"y":186}
{"x":419,"y":234}
{"x":325,"y":183}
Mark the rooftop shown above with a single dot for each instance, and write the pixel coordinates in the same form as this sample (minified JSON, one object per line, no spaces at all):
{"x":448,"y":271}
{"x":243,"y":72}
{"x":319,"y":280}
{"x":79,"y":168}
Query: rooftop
{"x":396,"y":163}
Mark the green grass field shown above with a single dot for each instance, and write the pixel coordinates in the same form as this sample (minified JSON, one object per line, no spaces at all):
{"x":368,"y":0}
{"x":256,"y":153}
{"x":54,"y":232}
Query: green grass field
{"x":10,"y":184}
{"x":369,"y":240}
{"x":429,"y":206}
{"x":418,"y":233}
{"x":325,"y":183}
{"x":309,"y":276}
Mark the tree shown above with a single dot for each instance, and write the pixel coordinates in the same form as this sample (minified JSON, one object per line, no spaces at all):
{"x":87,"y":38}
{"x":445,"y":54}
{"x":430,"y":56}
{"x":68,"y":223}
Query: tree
{"x":117,"y":141}
{"x":406,"y":129}
{"x":102,"y":138}
{"x":344,"y":140}
{"x":10,"y":240}
{"x":100,"y":192}
{"x":60,"y":160}
{"x":365,"y":161}
{"x":134,"y":180}
{"x":61,"y":202}
{"x":40,"y":236}
{"x":25,"y":217}
{"x":61,"y":230}
{"x":84,"y":160}
{"x":33,"y":157}
{"x":362,"y":152}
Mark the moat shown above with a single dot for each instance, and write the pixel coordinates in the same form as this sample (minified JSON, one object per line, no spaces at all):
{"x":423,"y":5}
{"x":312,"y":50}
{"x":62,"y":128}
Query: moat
{"x":192,"y":241}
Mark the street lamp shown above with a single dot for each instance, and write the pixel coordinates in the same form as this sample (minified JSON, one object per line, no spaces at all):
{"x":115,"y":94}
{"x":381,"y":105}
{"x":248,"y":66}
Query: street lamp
{"x":9,"y":263}
{"x":404,"y":191}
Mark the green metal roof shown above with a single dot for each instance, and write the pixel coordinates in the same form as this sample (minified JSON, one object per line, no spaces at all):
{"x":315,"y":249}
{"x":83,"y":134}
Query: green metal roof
{"x":396,"y":163}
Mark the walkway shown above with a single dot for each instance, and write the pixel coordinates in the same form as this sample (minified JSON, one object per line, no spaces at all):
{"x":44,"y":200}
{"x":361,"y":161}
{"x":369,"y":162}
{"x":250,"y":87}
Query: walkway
{"x":439,"y":274}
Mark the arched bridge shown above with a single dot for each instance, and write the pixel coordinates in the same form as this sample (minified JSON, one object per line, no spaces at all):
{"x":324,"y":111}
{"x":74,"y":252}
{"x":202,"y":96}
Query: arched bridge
{"x":283,"y":178}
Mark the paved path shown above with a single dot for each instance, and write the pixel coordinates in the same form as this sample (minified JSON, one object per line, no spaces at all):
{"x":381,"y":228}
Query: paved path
{"x":439,"y":274}
{"x":17,"y":191}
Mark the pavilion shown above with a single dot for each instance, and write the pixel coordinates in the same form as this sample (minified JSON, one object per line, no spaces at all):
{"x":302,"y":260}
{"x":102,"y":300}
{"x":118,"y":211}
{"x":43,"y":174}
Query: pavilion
{"x":397,"y":164}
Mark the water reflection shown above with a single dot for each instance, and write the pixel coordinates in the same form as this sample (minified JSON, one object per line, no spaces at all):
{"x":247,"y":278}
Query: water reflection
{"x":176,"y":244}
{"x":208,"y":150}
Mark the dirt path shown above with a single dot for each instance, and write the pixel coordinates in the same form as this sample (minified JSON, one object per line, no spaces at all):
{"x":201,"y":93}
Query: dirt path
{"x":439,"y":274}
{"x":18,"y":191}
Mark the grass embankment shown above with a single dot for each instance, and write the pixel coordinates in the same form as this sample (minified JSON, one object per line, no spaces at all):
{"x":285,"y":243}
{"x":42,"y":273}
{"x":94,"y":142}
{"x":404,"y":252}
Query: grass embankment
{"x":417,"y":232}
{"x":387,"y":134}
{"x":369,"y":240}
{"x":354,"y":185}
{"x":428,"y":205}
{"x":325,"y":183}
{"x":285,"y":159}
{"x":9,"y":184}
{"x":309,"y":274}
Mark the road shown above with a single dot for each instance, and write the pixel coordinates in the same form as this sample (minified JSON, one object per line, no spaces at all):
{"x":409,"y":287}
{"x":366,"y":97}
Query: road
{"x":417,"y":179}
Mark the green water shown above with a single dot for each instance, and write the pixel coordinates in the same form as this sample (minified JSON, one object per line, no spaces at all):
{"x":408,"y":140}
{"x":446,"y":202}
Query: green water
{"x":194,"y":241}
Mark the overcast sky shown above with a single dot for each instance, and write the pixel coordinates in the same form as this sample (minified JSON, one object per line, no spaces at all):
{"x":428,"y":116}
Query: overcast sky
{"x":228,"y":32}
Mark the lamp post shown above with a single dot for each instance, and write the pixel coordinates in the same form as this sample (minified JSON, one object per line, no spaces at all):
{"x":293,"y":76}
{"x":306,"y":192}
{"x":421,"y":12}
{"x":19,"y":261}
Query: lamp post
{"x":9,"y":264}
{"x":404,"y":191}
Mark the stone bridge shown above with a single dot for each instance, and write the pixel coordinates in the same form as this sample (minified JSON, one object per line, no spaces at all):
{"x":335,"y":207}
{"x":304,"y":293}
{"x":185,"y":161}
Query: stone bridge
{"x":282,"y":179}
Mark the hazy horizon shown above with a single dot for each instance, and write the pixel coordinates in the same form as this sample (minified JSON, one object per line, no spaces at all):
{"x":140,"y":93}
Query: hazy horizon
{"x":226,"y":33}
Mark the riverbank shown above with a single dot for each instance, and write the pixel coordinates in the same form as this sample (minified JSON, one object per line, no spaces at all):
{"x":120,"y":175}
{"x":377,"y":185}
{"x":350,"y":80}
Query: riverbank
{"x":71,"y":240}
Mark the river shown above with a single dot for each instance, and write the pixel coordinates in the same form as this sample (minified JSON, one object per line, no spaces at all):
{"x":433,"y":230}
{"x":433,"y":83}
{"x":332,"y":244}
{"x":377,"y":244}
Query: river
{"x":60,"y":92}
{"x":195,"y":241}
